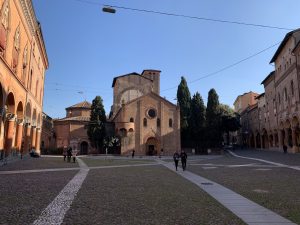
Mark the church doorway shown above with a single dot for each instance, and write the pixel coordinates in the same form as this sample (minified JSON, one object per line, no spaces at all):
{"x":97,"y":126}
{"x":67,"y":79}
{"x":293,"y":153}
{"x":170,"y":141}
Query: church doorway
{"x":84,"y":148}
{"x":151,"y":146}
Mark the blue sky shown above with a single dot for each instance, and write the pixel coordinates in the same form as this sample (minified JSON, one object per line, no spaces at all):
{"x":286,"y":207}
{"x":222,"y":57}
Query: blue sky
{"x":88,"y":48}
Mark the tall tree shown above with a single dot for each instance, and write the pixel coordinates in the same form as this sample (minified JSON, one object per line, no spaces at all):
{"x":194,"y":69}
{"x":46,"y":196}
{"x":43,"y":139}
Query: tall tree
{"x":197,"y":121}
{"x":184,"y":101}
{"x":213,"y":121}
{"x":230,"y":121}
{"x":96,"y":126}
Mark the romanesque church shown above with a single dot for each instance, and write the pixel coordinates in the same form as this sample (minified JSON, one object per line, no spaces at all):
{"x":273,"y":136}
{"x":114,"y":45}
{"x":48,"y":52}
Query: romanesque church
{"x":145,"y":121}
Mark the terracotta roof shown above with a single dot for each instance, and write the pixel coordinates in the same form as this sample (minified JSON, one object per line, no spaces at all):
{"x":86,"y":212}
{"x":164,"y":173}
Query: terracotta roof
{"x":284,"y":41}
{"x":84,"y":104}
{"x":270,"y":74}
{"x":75,"y":118}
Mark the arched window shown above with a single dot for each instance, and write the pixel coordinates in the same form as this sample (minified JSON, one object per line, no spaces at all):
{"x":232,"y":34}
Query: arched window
{"x":145,"y":122}
{"x":4,"y":25}
{"x":30,"y":80}
{"x":158,"y":122}
{"x":170,"y":123}
{"x":25,"y":63}
{"x":131,"y":120}
{"x":36,"y":88}
{"x":292,"y":88}
{"x":130,"y":130}
{"x":16,"y":49}
{"x":285,"y":94}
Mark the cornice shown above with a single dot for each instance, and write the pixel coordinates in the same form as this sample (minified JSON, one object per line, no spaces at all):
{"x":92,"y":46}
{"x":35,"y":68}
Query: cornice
{"x":29,"y":14}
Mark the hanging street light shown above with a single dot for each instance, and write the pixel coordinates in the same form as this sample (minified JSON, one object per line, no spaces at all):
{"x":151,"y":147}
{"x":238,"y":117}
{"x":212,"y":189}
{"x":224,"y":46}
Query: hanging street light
{"x":108,"y":9}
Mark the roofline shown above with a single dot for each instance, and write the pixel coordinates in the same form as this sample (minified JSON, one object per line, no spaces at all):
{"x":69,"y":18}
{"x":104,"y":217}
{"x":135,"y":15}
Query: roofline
{"x":259,"y":96}
{"x":285,"y":39}
{"x":151,"y":70}
{"x":133,"y":73}
{"x":267,"y":77}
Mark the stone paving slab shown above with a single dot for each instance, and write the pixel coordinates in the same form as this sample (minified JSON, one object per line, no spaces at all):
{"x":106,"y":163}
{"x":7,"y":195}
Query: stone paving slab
{"x":238,"y":204}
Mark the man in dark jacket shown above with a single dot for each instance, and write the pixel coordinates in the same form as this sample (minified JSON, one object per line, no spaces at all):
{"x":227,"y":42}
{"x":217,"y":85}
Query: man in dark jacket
{"x":183,"y":157}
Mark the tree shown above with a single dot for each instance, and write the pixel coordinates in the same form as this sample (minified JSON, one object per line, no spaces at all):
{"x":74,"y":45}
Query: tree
{"x":197,"y":120}
{"x":184,"y":101}
{"x":96,"y":126}
{"x":229,"y":119}
{"x":213,"y":121}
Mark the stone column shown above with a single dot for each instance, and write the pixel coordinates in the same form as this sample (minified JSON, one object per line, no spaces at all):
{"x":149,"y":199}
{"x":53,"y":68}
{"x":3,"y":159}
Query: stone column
{"x":280,"y":139}
{"x":261,"y":141}
{"x":27,"y":144}
{"x":255,"y":144}
{"x":19,"y":135}
{"x":38,"y":141}
{"x":286,"y":137}
{"x":33,"y":137}
{"x":9,"y":135}
{"x":295,"y":147}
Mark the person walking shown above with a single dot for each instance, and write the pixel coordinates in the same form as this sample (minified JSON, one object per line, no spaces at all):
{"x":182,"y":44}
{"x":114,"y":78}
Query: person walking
{"x":176,"y":159}
{"x":69,"y":154}
{"x":65,"y":150}
{"x":74,"y":153}
{"x":183,"y":157}
{"x":284,"y":149}
{"x":132,"y":154}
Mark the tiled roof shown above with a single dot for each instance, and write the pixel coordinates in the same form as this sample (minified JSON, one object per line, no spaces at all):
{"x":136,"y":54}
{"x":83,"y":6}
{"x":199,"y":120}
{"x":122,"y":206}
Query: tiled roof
{"x":84,"y":104}
{"x":75,"y":118}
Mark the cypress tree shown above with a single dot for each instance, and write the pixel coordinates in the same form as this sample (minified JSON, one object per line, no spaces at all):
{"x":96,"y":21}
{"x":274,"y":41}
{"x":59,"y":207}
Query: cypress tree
{"x":197,"y":121}
{"x":184,"y":101}
{"x":213,"y":123}
{"x":96,"y":126}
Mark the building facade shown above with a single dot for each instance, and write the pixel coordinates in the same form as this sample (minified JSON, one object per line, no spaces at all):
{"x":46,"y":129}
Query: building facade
{"x":23,"y":62}
{"x":146,"y":122}
{"x":71,"y":130}
{"x":48,"y":138}
{"x":274,"y":121}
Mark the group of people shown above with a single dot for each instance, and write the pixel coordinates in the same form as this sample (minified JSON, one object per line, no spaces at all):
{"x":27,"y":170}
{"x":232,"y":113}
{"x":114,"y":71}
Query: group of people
{"x":69,"y":153}
{"x":182,"y":156}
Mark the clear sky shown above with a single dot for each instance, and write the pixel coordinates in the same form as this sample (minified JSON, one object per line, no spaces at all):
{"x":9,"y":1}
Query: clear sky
{"x":88,"y":48}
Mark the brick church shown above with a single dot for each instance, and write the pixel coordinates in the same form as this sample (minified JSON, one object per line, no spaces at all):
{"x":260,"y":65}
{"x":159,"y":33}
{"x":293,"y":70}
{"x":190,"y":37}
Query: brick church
{"x":146,"y":122}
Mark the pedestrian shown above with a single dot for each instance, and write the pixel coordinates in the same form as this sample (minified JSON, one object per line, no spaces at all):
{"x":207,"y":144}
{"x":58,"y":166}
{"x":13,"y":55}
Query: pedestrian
{"x":284,"y":149}
{"x":161,"y":153}
{"x":69,"y":153}
{"x":65,"y":149}
{"x":22,"y":149}
{"x":183,"y":157}
{"x":74,"y":153}
{"x":132,"y":154}
{"x":176,"y":159}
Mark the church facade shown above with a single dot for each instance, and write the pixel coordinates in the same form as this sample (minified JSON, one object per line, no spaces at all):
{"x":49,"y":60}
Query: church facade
{"x":145,"y":122}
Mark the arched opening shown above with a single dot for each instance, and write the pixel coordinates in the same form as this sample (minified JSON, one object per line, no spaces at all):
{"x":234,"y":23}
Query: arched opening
{"x":151,"y":146}
{"x":130,"y":130}
{"x":170,"y":123}
{"x":84,"y":148}
{"x":20,"y":110}
{"x":276,"y":139}
{"x":252,"y":145}
{"x":131,"y":120}
{"x":34,"y":118}
{"x":271,"y":140}
{"x":28,"y":113}
{"x":123,"y":132}
{"x":10,"y":103}
{"x":265,"y":139}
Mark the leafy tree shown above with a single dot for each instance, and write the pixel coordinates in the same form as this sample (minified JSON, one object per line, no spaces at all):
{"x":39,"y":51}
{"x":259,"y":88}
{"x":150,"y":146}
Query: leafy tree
{"x":213,"y":121}
{"x":96,"y":126}
{"x":184,"y":101}
{"x":229,"y":119}
{"x":197,"y":120}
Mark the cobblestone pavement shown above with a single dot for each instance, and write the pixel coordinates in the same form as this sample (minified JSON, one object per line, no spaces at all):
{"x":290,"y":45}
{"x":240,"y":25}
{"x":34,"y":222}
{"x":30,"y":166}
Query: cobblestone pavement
{"x":274,"y":156}
{"x":43,"y":162}
{"x":274,"y":187}
{"x":146,"y":194}
{"x":24,"y":196}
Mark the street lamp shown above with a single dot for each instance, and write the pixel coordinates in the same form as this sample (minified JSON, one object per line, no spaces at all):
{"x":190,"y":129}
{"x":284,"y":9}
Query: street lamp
{"x":108,"y":9}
